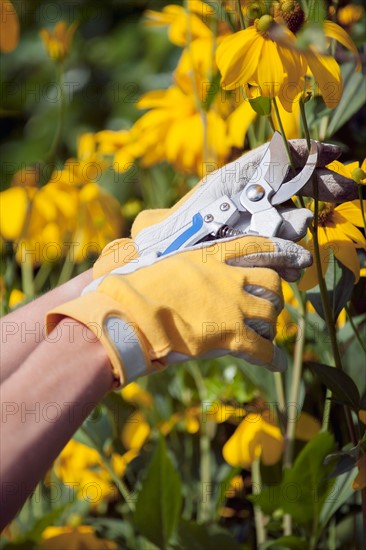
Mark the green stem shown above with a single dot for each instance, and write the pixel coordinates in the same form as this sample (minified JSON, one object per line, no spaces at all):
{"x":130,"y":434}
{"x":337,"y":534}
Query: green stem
{"x":52,"y":152}
{"x":258,"y":514}
{"x":326,"y":411}
{"x":251,"y":137}
{"x":119,"y":483}
{"x":27,"y":277}
{"x":269,"y":118}
{"x":305,"y":124}
{"x":42,"y":275}
{"x":205,"y":446}
{"x":354,"y":328}
{"x":60,"y":118}
{"x":280,"y":393}
{"x":326,"y":307}
{"x":67,"y":268}
{"x":293,"y":399}
{"x":240,"y":13}
{"x":295,"y":386}
{"x":278,"y":116}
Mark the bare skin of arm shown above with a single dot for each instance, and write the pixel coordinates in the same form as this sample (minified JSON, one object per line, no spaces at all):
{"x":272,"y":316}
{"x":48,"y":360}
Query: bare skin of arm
{"x":24,"y":329}
{"x":41,"y":410}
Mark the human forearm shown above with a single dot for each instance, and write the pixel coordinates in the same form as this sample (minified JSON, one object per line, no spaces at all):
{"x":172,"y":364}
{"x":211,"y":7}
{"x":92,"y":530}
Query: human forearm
{"x":23,"y":329}
{"x":41,"y":409}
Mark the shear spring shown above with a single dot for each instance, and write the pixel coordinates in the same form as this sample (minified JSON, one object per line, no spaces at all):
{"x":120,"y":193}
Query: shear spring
{"x":227,"y":231}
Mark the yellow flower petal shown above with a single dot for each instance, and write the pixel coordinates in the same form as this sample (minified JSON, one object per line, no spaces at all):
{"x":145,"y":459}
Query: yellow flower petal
{"x":346,"y":230}
{"x":332,"y":30}
{"x":327,"y":75}
{"x":270,"y":72}
{"x":74,"y":538}
{"x":342,"y":169}
{"x":290,"y":120}
{"x":346,"y":254}
{"x":238,"y":123}
{"x":352,"y":211}
{"x":237,"y":57}
{"x":16,"y":297}
{"x":133,"y":393}
{"x":135,"y":431}
{"x":254,"y":437}
{"x":13,"y":208}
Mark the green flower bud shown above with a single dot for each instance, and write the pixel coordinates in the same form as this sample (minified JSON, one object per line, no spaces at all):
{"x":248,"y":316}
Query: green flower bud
{"x":358,"y":175}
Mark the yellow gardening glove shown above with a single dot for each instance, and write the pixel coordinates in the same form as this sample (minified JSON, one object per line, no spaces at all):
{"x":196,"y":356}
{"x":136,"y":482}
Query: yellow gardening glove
{"x":122,"y":251}
{"x":155,"y":229}
{"x":200,"y":302}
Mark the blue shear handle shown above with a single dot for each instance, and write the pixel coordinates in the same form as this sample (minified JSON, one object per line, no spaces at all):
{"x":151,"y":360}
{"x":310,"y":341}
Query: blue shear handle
{"x":197,"y":223}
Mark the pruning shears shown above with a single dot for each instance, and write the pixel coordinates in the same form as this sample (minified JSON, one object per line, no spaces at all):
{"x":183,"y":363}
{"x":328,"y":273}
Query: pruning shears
{"x":253,"y":210}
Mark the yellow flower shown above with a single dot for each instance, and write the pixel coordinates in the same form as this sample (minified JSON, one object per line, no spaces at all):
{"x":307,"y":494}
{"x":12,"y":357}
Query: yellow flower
{"x":16,"y":298}
{"x":351,"y":14}
{"x":251,"y":56}
{"x":74,"y":538}
{"x":256,"y":437}
{"x":352,"y":170}
{"x":133,"y":393}
{"x":70,"y":213}
{"x":38,"y":221}
{"x":176,"y":130}
{"x":81,"y":467}
{"x":9,"y":26}
{"x":265,"y":55}
{"x":337,"y":232}
{"x":98,"y":218}
{"x":58,"y":42}
{"x":125,"y":146}
{"x":183,"y":25}
{"x":135,"y":432}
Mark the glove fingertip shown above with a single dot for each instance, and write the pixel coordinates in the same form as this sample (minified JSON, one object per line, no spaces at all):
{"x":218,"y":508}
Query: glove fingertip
{"x":328,"y":152}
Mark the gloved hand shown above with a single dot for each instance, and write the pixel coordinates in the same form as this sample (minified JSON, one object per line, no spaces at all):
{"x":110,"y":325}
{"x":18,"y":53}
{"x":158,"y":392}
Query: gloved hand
{"x":152,"y":229}
{"x":200,"y":302}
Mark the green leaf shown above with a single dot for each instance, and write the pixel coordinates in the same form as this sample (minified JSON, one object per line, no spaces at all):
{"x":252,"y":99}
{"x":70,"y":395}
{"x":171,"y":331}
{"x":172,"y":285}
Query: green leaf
{"x":48,"y":519}
{"x":353,"y":97}
{"x":261,"y":105}
{"x":341,"y":491}
{"x":288,"y":542}
{"x":97,"y":429}
{"x":340,"y":282}
{"x":193,"y":536}
{"x":159,"y":502}
{"x":317,"y":11}
{"x":343,"y":387}
{"x":303,"y":489}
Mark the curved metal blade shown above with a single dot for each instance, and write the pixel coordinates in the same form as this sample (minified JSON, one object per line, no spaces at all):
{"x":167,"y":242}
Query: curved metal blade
{"x":278,"y":163}
{"x":290,"y":188}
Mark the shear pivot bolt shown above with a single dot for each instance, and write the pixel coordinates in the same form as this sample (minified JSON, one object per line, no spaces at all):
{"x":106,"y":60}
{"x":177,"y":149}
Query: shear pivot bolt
{"x":208,"y":218}
{"x":255,"y":193}
{"x":225,"y":206}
